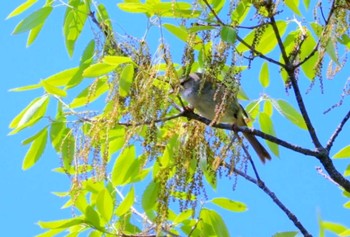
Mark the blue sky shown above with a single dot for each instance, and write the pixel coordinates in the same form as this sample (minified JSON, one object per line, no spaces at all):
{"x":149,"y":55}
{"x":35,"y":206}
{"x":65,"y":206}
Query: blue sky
{"x":26,"y":195}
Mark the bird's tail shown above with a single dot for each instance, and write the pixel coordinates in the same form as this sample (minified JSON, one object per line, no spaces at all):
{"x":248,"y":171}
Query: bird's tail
{"x":259,"y":149}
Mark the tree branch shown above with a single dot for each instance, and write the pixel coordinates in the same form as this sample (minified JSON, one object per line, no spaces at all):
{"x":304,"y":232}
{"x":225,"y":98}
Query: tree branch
{"x":315,"y":49}
{"x":337,"y":131}
{"x":191,"y":115}
{"x":274,"y":198}
{"x":320,"y":154}
{"x":327,"y":163}
{"x":279,"y":41}
{"x":259,"y":54}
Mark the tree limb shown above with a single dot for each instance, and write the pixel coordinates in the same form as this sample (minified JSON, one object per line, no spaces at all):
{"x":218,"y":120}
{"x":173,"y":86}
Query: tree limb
{"x":308,"y":152}
{"x":259,"y":54}
{"x":274,"y":198}
{"x":337,"y":131}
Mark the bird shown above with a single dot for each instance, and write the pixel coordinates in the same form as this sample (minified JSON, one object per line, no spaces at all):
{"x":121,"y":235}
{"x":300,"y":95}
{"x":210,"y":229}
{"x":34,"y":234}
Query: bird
{"x":207,"y":96}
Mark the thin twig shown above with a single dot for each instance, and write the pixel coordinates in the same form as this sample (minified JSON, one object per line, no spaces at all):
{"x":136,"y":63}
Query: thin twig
{"x":327,"y":177}
{"x":252,"y":27}
{"x":259,"y":54}
{"x":147,"y":122}
{"x":252,"y":163}
{"x":274,"y":198}
{"x":337,"y":131}
{"x":315,"y":49}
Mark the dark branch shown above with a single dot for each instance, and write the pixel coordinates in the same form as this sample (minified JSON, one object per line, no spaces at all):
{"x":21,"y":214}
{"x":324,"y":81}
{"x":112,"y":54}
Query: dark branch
{"x":337,"y":131}
{"x":303,"y":110}
{"x":308,"y":152}
{"x":279,"y":41}
{"x":147,"y":122}
{"x":274,"y":198}
{"x":327,"y":163}
{"x":259,"y":54}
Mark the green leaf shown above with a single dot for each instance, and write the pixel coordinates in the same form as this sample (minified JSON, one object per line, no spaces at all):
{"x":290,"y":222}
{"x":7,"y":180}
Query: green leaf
{"x":68,"y":150}
{"x":343,"y":153}
{"x":36,"y":18}
{"x":116,"y":139}
{"x":293,"y":5}
{"x":164,"y":9}
{"x":74,"y":21}
{"x":26,"y":88}
{"x":80,"y":201}
{"x":253,"y":109}
{"x":88,"y":54}
{"x":333,"y":227}
{"x":116,"y":60}
{"x":228,"y":34}
{"x":95,"y":233}
{"x":286,"y":110}
{"x":307,"y":4}
{"x":81,"y":169}
{"x":62,"y":78}
{"x":30,"y":115}
{"x":267,"y":41}
{"x":127,"y":203}
{"x":98,"y":69}
{"x":183,"y":216}
{"x":150,"y":196}
{"x":105,"y":205}
{"x":123,"y":166}
{"x":51,"y":233}
{"x":268,"y":107}
{"x":32,"y":138}
{"x":209,"y":173}
{"x":212,"y":223}
{"x":266,"y":126}
{"x":179,"y":31}
{"x":182,"y":33}
{"x":264,"y":77}
{"x":21,"y":8}
{"x":33,"y":34}
{"x":61,"y":194}
{"x":347,"y":171}
{"x":85,"y":61}
{"x":125,"y":80}
{"x":309,"y":67}
{"x":286,"y":234}
{"x":134,"y":7}
{"x":91,"y":217}
{"x":330,"y":46}
{"x":103,"y":16}
{"x":58,"y":131}
{"x":345,"y":40}
{"x":229,"y":204}
{"x":53,"y":89}
{"x":91,"y":93}
{"x":59,"y":224}
{"x":345,"y":233}
{"x":347,"y":204}
{"x":36,"y":149}
{"x":217,"y":5}
{"x":240,"y":12}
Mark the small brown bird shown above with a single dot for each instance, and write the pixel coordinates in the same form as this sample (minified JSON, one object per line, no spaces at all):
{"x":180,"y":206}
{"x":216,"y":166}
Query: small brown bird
{"x":207,"y":97}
